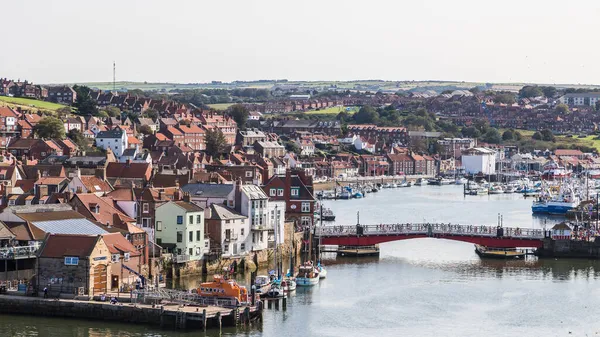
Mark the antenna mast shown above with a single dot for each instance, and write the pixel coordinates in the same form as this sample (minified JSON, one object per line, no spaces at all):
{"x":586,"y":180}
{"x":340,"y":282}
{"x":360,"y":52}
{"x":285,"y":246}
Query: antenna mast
{"x":114,"y":76}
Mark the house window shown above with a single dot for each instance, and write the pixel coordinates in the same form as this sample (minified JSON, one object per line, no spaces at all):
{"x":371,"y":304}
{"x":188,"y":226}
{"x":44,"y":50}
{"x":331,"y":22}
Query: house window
{"x":159,"y":241}
{"x":227,"y":221}
{"x":305,"y":207}
{"x":191,"y":236}
{"x":191,"y":219}
{"x":145,"y":208}
{"x":305,"y":220}
{"x":191,"y":251}
{"x":253,"y":237}
{"x":273,"y":192}
{"x":248,"y":174}
{"x":280,"y":192}
{"x":179,"y":236}
{"x":295,"y":191}
{"x":71,"y":261}
{"x":198,"y":251}
{"x":159,"y":225}
{"x":145,"y":222}
{"x":198,"y":236}
{"x":126,"y":257}
{"x":115,"y":258}
{"x":198,"y":219}
{"x":205,"y":243}
{"x":242,"y":232}
{"x":180,"y":219}
{"x":242,"y":247}
{"x":226,"y":248}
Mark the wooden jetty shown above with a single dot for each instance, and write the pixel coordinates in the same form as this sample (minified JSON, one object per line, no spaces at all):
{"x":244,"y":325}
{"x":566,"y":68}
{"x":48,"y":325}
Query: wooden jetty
{"x":356,"y":251}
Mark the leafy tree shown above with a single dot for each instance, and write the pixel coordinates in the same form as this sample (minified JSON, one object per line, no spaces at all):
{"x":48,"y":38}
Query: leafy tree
{"x":215,"y":142}
{"x":418,"y":145}
{"x":475,"y":90}
{"x":518,"y":136}
{"x":102,"y":114}
{"x":508,"y":135}
{"x":530,"y":91}
{"x":548,"y":136}
{"x":145,"y":130}
{"x":343,"y":116}
{"x":50,"y":127}
{"x":482,"y":125}
{"x":151,"y":113}
{"x":77,"y":137}
{"x":506,"y":98}
{"x":366,"y":115}
{"x":537,"y":136}
{"x":293,"y":147}
{"x":562,"y":108}
{"x":84,"y":103}
{"x":240,"y":114}
{"x":492,"y":136}
{"x":549,"y":91}
{"x":113,"y":111}
{"x":471,"y":132}
{"x":64,"y":111}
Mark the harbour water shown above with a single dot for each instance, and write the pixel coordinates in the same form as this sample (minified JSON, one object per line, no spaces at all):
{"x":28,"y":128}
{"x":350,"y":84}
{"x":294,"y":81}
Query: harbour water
{"x":421,"y":287}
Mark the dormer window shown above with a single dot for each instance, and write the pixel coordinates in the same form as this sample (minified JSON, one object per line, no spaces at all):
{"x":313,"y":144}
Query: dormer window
{"x":295,"y":191}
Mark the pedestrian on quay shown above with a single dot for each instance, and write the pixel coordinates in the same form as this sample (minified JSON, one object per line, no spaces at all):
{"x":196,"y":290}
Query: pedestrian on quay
{"x":45,"y":292}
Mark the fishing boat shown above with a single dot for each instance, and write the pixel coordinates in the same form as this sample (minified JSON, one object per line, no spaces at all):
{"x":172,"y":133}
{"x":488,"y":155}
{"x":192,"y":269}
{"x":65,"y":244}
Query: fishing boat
{"x":221,"y":287}
{"x":262,"y":284}
{"x":510,"y":189}
{"x":553,"y":171}
{"x":327,"y":215}
{"x":307,"y":275}
{"x":275,"y":291}
{"x":498,"y":253}
{"x":419,"y":182}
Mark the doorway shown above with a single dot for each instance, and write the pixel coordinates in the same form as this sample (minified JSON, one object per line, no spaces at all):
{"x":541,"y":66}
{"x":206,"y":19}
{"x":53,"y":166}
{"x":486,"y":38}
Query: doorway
{"x":114,"y":282}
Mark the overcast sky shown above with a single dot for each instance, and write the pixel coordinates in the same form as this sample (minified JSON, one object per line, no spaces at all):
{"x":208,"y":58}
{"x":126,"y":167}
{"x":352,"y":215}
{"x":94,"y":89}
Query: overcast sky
{"x":58,"y":41}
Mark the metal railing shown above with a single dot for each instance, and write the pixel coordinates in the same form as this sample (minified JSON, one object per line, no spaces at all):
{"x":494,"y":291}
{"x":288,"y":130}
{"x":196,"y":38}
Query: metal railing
{"x":181,"y":258}
{"x":161,"y":295}
{"x":430,"y":229}
{"x":19,"y":252}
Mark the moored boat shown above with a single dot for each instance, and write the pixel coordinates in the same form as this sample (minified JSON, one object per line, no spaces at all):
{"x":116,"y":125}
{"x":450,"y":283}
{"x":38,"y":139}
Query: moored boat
{"x":221,"y":287}
{"x":322,"y":271}
{"x":307,"y":275}
{"x":262,"y":284}
{"x":498,"y":253}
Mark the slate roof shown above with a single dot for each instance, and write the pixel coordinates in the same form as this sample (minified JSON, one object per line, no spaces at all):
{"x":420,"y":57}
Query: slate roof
{"x":220,"y":212}
{"x":81,"y":226}
{"x":59,"y":246}
{"x":208,"y":190}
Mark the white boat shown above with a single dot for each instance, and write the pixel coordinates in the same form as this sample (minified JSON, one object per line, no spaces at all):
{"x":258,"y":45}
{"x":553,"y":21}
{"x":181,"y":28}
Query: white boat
{"x":419,"y":182}
{"x":263,"y":284}
{"x":461,"y":181}
{"x":288,"y":285}
{"x":495,"y":189}
{"x":307,"y":276}
{"x":322,"y":271}
{"x":510,"y":189}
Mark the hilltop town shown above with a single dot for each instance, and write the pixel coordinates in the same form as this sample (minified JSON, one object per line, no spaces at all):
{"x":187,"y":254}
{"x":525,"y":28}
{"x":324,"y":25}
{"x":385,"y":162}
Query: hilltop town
{"x":168,"y":181}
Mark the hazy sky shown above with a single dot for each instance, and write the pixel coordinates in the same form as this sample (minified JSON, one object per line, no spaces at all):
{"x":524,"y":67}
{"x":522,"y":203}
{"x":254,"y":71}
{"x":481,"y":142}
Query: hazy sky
{"x":53,"y":41}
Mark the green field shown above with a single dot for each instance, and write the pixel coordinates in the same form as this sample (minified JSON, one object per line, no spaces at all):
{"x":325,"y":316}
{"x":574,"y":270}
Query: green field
{"x":220,"y":106}
{"x":29,"y":103}
{"x":562,"y":142}
{"x":332,"y":110}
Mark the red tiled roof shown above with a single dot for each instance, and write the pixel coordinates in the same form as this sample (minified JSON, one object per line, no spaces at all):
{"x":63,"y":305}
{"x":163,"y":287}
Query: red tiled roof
{"x":7,"y":112}
{"x":118,"y":244}
{"x":91,"y":182}
{"x":133,"y":140}
{"x":131,"y":170}
{"x":50,"y":180}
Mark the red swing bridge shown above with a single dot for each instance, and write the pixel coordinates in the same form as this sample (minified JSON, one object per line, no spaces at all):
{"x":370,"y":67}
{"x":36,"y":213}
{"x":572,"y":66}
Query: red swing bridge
{"x":489,"y":236}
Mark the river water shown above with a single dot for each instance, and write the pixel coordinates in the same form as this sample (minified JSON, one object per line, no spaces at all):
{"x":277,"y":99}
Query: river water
{"x":420,"y":287}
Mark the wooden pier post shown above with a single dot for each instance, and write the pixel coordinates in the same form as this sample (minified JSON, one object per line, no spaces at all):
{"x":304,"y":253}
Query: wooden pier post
{"x":204,"y":320}
{"x":284,"y":304}
{"x":269,"y":304}
{"x":218,"y":317}
{"x":277,"y":304}
{"x":247,"y":315}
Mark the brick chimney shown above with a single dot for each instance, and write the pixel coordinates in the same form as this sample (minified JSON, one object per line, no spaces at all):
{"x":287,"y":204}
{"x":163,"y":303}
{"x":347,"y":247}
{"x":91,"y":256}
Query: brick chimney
{"x":186,"y":197}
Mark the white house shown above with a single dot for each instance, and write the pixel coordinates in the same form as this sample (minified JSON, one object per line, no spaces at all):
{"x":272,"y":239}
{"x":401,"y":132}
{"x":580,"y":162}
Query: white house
{"x":363,"y":144}
{"x":479,"y":159}
{"x":251,"y":201}
{"x":307,"y":147}
{"x":586,"y":98}
{"x":349,"y":140}
{"x":180,"y":227}
{"x":230,"y":229}
{"x":115,"y":139}
{"x":254,"y":115}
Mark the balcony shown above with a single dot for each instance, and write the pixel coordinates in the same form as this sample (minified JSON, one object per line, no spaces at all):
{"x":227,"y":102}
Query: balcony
{"x":14,"y":253}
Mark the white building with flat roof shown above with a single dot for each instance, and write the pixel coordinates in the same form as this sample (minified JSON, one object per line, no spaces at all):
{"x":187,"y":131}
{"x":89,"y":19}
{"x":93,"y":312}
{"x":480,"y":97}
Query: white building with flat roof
{"x":479,"y":159}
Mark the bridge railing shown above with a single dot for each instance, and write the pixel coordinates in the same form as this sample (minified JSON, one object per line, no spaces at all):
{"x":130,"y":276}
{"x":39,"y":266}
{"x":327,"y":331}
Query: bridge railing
{"x":430,"y":229}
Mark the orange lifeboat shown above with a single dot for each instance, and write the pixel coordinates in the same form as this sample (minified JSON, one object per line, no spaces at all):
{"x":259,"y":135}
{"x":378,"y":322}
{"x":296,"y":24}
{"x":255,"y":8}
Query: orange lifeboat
{"x":223,"y":288}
